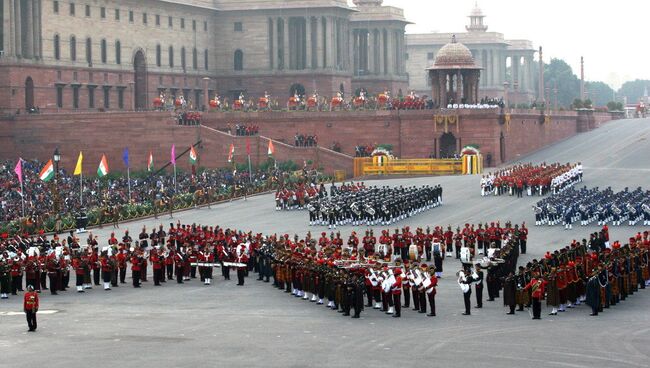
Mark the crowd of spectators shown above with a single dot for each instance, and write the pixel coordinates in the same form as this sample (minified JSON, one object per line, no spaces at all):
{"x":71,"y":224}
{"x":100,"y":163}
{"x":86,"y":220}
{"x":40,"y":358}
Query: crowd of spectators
{"x":189,"y":118}
{"x":363,"y":150}
{"x":97,"y":193}
{"x":243,"y":130}
{"x":302,"y":140}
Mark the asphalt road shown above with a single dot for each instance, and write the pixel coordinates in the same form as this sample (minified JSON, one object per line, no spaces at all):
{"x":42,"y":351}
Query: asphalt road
{"x":257,"y":325}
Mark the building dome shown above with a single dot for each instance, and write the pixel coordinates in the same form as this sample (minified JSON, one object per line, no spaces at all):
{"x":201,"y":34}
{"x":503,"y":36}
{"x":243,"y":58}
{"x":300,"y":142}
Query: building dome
{"x":455,"y":55}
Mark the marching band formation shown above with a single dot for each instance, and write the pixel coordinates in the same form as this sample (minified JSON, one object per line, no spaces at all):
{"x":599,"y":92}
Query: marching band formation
{"x":593,"y":205}
{"x":357,"y":205}
{"x":533,"y":180}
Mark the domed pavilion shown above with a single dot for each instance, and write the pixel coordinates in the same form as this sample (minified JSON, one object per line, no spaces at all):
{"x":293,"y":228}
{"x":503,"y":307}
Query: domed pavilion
{"x":454,"y":75}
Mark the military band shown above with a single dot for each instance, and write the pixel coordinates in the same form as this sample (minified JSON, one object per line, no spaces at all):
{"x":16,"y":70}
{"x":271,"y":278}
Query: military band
{"x":594,"y":206}
{"x":345,"y":276}
{"x":357,"y":205}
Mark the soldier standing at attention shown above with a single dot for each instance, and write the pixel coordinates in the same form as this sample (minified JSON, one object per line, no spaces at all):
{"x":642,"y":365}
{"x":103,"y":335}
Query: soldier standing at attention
{"x":30,"y":305}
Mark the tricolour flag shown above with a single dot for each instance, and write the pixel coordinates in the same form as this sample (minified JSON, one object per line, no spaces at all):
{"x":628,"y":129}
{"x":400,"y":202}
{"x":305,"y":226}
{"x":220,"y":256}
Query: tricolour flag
{"x":193,"y":156}
{"x":271,"y":148}
{"x":77,"y":169}
{"x":231,"y":152}
{"x":102,"y":170}
{"x":248,"y":147}
{"x":150,"y":163}
{"x":48,"y":171}
{"x":173,"y":158}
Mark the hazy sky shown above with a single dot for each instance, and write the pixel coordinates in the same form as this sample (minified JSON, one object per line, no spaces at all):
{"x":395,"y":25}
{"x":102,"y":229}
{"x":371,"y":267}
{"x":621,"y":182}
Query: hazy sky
{"x":611,"y":35}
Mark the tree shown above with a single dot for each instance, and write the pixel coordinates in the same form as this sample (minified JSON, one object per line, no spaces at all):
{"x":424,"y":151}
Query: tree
{"x":559,"y":74}
{"x":634,"y":90}
{"x":599,"y":92}
{"x":577,"y":104}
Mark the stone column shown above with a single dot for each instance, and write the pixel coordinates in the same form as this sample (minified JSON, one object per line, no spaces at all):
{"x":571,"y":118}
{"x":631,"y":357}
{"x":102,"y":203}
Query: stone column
{"x":529,"y":72}
{"x":272,"y":43}
{"x":29,"y":37}
{"x":308,"y":42}
{"x":459,"y":85}
{"x":206,"y":95}
{"x":38,"y":53}
{"x":7,"y":30}
{"x":319,"y":43}
{"x":132,"y":87}
{"x":286,"y":51}
{"x":391,"y":51}
{"x":381,"y":51}
{"x":331,"y":43}
{"x":495,"y":69}
{"x":18,"y":43}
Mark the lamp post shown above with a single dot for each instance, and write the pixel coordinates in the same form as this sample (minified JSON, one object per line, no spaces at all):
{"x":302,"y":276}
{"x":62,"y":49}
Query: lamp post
{"x":55,"y":192}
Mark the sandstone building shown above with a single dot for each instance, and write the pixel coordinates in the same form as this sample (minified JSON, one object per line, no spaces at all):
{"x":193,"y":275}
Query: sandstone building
{"x":112,"y":55}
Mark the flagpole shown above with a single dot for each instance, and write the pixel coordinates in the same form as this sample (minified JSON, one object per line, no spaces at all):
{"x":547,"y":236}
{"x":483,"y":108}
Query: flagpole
{"x":22,"y":196}
{"x":250,"y":171}
{"x":81,"y":189}
{"x":175,"y":188}
{"x":128,"y":178}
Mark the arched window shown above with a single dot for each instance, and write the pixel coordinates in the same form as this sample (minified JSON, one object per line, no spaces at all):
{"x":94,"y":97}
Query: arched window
{"x":239,"y":60}
{"x":158,"y":55}
{"x":89,"y":51}
{"x":103,"y":51}
{"x":183,"y":58}
{"x":57,"y":47}
{"x":205,"y":59}
{"x":195,"y":62}
{"x":171,"y":56}
{"x":118,"y":52}
{"x":73,"y":48}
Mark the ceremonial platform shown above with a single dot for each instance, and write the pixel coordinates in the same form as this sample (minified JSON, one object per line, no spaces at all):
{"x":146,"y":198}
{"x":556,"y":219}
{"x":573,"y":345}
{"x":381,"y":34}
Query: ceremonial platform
{"x":258,"y":325}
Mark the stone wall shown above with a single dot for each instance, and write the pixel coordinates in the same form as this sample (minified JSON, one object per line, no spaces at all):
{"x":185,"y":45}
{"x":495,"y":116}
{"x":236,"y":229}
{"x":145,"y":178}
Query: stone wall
{"x":413,"y":134}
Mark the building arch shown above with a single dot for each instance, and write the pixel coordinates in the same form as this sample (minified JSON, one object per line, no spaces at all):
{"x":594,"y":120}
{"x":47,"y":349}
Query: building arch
{"x":57,"y":47}
{"x":29,"y":93}
{"x":447,"y":145}
{"x":140,"y":79}
{"x":297,"y":88}
{"x":238,"y":60}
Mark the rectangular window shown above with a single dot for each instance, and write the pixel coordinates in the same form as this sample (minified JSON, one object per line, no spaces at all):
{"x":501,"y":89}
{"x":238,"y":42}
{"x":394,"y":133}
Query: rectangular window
{"x":59,"y":96}
{"x":102,"y":12}
{"x":170,"y":22}
{"x":87,"y":10}
{"x":117,"y":14}
{"x":182,"y":23}
{"x":205,"y":26}
{"x":205,"y":59}
{"x":238,"y":27}
{"x":91,"y":97}
{"x":107,"y":98}
{"x":144,"y":18}
{"x":55,"y":7}
{"x":75,"y":97}
{"x":72,"y":10}
{"x":193,"y":24}
{"x":158,"y":19}
{"x":120,"y":98}
{"x":131,"y":16}
{"x":429,"y":55}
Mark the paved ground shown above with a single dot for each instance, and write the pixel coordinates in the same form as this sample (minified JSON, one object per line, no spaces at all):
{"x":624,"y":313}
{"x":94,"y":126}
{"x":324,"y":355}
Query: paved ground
{"x":257,"y":325}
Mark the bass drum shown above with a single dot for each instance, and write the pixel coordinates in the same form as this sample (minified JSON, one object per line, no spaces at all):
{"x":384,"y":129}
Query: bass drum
{"x":465,"y":255}
{"x":413,"y":252}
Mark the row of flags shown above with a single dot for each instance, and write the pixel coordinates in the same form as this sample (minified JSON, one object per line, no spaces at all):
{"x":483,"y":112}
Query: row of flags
{"x":47,"y":173}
